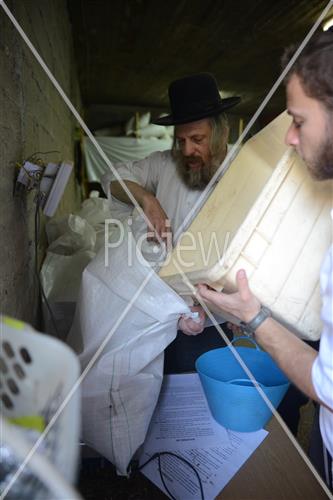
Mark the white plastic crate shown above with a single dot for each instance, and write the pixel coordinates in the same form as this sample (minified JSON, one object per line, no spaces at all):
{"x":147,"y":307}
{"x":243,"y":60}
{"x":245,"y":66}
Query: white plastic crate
{"x":266,"y":215}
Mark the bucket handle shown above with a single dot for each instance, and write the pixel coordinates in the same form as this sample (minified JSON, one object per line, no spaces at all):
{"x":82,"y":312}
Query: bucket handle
{"x":244,"y":337}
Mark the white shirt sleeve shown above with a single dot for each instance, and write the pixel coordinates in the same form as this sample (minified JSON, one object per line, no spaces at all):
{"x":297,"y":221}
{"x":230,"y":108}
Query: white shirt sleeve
{"x":144,"y":172}
{"x":322,"y":369}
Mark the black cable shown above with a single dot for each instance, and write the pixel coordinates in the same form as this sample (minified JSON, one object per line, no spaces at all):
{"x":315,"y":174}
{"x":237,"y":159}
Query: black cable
{"x":162,"y":478}
{"x":31,"y":157}
{"x":40,"y":285}
{"x":158,"y":456}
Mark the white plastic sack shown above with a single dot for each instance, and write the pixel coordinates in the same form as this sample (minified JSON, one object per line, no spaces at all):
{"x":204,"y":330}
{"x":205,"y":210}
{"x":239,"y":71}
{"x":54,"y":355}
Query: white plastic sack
{"x":95,"y":211}
{"x":152,"y":131}
{"x":80,"y":235}
{"x":74,"y":241}
{"x":61,"y":279}
{"x":121,"y":387}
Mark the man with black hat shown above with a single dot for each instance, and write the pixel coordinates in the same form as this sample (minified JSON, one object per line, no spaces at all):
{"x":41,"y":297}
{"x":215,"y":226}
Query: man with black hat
{"x":167,"y":184}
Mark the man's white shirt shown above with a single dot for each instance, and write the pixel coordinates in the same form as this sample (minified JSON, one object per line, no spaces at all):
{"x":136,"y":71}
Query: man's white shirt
{"x":322,"y":369}
{"x":158,"y":175}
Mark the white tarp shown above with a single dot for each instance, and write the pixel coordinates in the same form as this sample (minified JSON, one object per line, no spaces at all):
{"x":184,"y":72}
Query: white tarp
{"x":118,"y":150}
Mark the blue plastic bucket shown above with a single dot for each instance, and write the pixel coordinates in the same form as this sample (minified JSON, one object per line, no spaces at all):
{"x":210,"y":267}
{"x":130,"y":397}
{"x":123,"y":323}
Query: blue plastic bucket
{"x":233,"y":400}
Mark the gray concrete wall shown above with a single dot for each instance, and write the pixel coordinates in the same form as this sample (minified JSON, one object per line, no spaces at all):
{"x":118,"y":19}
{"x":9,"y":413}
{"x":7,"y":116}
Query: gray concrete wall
{"x":33,"y":118}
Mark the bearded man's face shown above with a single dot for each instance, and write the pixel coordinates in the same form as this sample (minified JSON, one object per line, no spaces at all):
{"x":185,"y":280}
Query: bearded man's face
{"x":193,"y":155}
{"x":311,"y":131}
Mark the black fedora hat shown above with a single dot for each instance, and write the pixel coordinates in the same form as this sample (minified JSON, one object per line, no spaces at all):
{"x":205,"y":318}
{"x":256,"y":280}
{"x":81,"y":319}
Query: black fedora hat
{"x":193,"y":98}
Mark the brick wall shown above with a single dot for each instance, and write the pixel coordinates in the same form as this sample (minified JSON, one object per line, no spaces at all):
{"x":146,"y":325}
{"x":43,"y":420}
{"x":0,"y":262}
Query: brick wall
{"x":33,"y":118}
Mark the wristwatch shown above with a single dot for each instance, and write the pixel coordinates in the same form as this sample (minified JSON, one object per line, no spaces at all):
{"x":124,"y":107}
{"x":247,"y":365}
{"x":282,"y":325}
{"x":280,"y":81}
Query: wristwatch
{"x":250,"y":327}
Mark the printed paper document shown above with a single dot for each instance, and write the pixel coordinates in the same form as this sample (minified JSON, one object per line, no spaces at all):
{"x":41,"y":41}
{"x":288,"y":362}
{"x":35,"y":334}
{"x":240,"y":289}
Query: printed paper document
{"x":182,"y":424}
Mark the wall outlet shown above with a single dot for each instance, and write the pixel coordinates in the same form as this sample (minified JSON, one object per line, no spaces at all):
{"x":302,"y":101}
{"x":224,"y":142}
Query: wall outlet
{"x":30,"y":175}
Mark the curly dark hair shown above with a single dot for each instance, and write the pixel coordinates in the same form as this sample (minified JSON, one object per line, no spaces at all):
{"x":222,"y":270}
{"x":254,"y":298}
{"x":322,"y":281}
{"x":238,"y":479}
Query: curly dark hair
{"x":314,"y":67}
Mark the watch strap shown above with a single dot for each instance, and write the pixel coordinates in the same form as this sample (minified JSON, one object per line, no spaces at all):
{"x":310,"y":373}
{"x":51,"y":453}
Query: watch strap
{"x":250,"y":327}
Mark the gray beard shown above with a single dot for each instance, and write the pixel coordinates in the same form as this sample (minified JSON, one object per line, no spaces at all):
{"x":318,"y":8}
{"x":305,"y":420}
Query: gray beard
{"x":195,"y":179}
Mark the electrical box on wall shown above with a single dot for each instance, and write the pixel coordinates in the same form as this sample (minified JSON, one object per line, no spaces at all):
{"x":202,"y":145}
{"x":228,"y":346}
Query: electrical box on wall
{"x":48,"y":180}
{"x":53,"y":183}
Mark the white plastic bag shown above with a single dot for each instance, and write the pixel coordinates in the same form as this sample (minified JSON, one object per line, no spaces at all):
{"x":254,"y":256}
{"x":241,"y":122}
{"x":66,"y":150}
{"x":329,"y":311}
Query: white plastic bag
{"x":121,"y":387}
{"x":73,"y":242}
{"x":95,"y":211}
{"x":61,"y":279}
